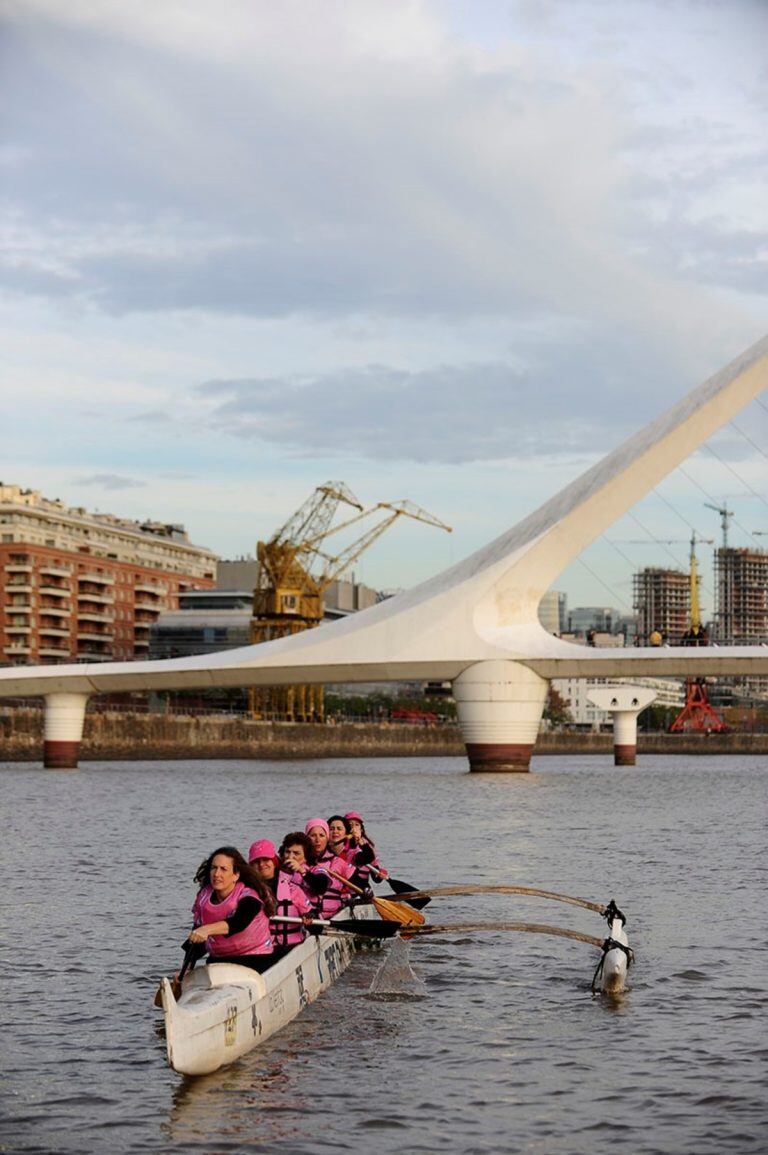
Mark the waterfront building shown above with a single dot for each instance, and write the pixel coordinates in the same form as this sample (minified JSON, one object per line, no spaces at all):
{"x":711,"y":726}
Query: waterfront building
{"x":574,"y":693}
{"x":662,"y":601}
{"x":220,"y":619}
{"x":77,"y":586}
{"x":583,"y":620}
{"x":553,"y":611}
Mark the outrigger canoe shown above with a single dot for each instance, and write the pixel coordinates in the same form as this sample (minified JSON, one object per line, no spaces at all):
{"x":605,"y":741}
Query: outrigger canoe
{"x":226,"y":1010}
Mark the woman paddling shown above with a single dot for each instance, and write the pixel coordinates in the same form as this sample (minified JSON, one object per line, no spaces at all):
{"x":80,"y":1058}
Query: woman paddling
{"x":231,"y":911}
{"x":361,"y":848}
{"x":292,"y":898}
{"x":337,"y":895}
{"x":338,"y":835}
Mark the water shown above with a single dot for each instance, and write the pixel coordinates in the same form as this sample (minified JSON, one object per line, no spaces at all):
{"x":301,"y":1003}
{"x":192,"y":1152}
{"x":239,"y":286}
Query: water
{"x":507,"y":1052}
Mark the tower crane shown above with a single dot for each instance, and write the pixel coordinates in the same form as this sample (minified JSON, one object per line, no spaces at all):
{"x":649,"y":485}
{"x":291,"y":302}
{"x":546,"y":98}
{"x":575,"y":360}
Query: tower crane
{"x":295,"y":567}
{"x":725,"y":515}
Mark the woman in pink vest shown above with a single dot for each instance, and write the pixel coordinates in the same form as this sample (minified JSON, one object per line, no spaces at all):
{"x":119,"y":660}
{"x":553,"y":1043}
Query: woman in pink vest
{"x":360,"y":848}
{"x":291,"y":899}
{"x":338,"y":835}
{"x":231,"y":911}
{"x":337,"y":895}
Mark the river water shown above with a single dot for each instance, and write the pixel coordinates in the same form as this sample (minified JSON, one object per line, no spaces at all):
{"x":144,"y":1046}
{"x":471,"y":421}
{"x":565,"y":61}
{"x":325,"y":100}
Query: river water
{"x":507,"y":1051}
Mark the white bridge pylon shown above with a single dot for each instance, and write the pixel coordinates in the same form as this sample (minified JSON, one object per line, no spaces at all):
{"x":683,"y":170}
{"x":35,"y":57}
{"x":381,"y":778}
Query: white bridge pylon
{"x":475,"y":624}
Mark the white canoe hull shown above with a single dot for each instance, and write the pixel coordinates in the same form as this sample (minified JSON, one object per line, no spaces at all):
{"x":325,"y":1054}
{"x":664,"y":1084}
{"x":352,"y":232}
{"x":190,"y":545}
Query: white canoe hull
{"x":226,"y":1010}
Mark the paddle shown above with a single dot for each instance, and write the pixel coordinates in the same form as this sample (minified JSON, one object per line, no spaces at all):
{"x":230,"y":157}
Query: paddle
{"x":443,"y":891}
{"x":364,"y":927}
{"x":389,"y":911}
{"x":192,"y":953}
{"x":400,"y":887}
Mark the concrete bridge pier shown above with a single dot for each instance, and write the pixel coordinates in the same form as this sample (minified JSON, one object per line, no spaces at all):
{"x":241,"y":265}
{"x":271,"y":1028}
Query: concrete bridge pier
{"x":63,"y":730}
{"x":623,"y":703}
{"x":499,"y":705}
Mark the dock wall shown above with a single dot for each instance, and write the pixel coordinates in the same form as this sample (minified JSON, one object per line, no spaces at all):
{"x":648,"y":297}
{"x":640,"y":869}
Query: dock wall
{"x":126,"y":736}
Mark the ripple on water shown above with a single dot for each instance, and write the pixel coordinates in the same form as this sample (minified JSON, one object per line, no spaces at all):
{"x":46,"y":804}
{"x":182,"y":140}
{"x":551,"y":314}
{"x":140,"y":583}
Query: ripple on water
{"x":508,"y":1051}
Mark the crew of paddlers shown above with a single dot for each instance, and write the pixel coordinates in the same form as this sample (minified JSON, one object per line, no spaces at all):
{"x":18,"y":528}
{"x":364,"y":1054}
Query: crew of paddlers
{"x":240,"y":904}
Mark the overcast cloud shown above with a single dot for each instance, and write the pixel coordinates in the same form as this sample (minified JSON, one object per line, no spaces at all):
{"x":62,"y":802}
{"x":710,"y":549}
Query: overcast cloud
{"x":438,"y":232}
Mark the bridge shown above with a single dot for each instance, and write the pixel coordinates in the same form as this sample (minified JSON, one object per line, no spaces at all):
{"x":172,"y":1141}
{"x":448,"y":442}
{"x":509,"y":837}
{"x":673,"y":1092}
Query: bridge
{"x":475,"y":624}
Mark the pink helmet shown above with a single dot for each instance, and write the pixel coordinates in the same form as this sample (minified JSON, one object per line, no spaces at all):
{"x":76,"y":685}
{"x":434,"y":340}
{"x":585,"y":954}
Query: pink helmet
{"x":353,"y":814}
{"x":263,"y":849}
{"x":317,"y":822}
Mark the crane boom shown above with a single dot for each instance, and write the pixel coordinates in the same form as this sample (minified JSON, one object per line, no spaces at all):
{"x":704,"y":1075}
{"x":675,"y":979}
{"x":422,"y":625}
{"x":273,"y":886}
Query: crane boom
{"x":725,"y":515}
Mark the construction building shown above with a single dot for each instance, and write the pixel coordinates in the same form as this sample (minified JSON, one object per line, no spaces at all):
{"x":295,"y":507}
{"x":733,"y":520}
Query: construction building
{"x":741,"y":585}
{"x":741,"y":610}
{"x":662,"y":601}
{"x":86,"y":587}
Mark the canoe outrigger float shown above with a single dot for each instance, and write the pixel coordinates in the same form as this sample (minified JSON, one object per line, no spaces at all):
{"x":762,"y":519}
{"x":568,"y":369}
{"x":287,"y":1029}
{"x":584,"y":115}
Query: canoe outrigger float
{"x":225,"y":1010}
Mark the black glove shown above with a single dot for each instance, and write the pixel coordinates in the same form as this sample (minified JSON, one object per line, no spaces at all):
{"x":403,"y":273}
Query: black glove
{"x":365,"y":855}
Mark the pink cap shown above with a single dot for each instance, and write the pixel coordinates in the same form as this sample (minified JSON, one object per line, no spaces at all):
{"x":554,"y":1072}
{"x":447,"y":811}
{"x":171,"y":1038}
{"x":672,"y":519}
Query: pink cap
{"x":353,"y":814}
{"x":316,"y":822}
{"x":262,"y":849}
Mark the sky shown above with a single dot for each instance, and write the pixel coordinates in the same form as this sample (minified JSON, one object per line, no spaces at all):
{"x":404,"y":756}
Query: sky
{"x":452,"y":251}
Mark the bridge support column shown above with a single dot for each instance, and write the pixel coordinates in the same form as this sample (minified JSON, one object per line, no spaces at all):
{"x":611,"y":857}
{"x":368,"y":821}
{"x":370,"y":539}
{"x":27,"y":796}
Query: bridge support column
{"x":623,"y":703}
{"x":499,"y":705}
{"x":64,"y":718}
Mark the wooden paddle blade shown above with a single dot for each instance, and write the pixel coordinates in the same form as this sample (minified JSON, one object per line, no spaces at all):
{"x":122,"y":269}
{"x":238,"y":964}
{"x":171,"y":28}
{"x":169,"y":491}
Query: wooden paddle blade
{"x":175,"y":988}
{"x":398,"y":912}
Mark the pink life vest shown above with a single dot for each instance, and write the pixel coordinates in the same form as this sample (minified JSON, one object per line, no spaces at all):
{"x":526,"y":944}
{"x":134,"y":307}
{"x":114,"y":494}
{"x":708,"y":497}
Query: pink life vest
{"x":255,"y":939}
{"x":336,"y":895}
{"x":350,"y":854}
{"x":292,"y":902}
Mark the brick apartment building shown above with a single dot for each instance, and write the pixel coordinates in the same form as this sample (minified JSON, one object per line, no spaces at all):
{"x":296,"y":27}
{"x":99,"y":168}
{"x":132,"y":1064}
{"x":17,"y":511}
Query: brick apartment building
{"x":86,"y":587}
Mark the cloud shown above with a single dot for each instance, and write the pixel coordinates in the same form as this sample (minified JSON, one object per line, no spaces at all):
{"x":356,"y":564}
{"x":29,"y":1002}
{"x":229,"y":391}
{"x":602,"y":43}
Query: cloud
{"x":110,"y":481}
{"x":448,"y":413}
{"x":484,"y":182}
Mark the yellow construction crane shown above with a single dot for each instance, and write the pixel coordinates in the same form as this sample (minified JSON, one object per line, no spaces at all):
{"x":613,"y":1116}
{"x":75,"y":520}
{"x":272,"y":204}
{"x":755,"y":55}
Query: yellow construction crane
{"x":294,"y":572}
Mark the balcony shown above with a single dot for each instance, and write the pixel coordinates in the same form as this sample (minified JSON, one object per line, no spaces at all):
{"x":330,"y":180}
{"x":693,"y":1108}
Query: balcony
{"x":53,"y":631}
{"x":19,"y":586}
{"x":94,"y":634}
{"x":18,"y":567}
{"x":63,"y":652}
{"x":95,"y":616}
{"x":17,"y":629}
{"x":54,"y":611}
{"x":13,"y":608}
{"x":150,"y":606}
{"x":14,"y":648}
{"x":55,"y":591}
{"x":55,"y":571}
{"x":98,"y":579}
{"x":148,"y":588}
{"x":95,"y":596}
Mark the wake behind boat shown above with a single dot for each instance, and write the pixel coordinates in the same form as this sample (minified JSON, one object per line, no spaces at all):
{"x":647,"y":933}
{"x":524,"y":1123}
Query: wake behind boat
{"x":225,"y":1010}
